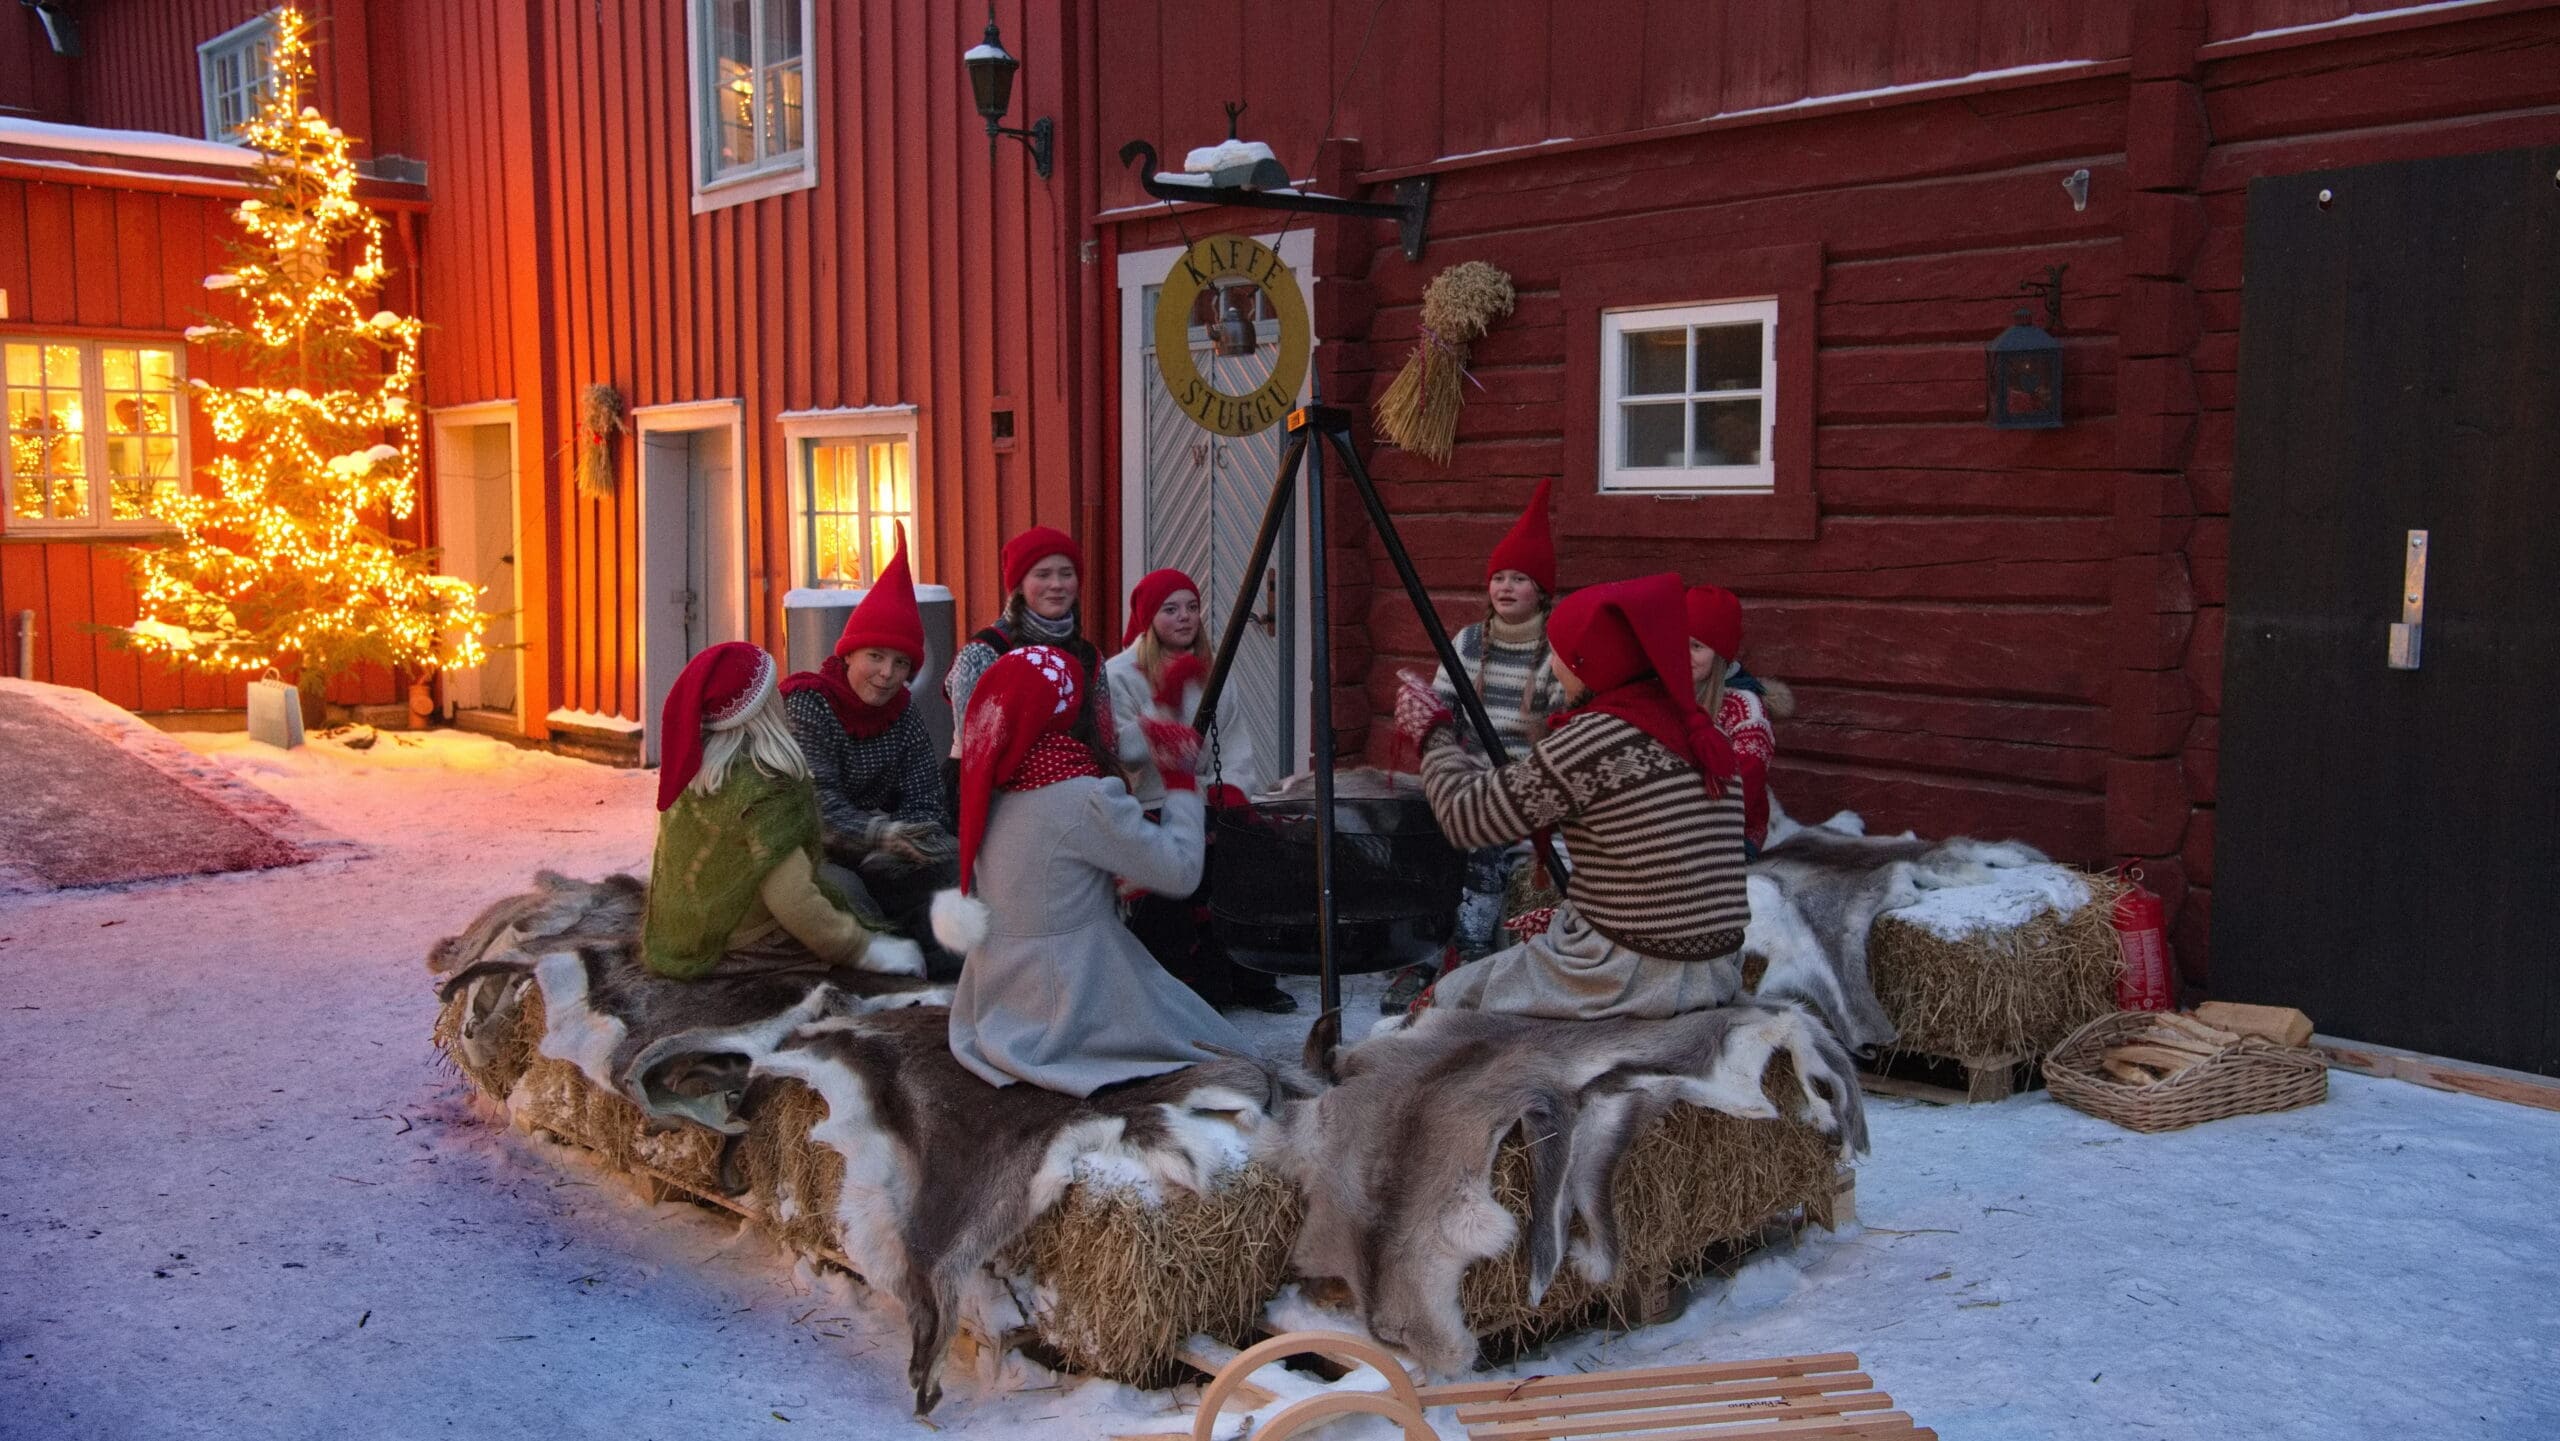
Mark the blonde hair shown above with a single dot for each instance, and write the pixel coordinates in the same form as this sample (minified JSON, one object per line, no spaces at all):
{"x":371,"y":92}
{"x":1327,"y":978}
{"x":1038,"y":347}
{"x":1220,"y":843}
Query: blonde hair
{"x":1711,"y":690}
{"x":763,"y":737}
{"x":1152,"y":653}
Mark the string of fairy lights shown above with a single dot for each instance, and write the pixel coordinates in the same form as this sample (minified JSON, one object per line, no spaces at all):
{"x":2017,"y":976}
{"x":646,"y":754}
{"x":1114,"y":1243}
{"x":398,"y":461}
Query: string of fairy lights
{"x":282,"y":563}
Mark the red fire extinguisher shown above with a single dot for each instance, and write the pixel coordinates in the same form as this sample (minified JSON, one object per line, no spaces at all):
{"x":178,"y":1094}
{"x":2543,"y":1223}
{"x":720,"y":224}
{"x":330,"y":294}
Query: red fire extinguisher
{"x":2142,"y":933}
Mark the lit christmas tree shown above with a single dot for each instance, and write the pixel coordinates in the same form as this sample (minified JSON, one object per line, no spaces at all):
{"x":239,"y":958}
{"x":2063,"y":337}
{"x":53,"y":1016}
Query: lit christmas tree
{"x":284,"y":564}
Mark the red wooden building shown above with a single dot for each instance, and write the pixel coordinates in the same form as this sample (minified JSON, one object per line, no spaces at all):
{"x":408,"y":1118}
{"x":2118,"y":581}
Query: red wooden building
{"x":2002,"y":632}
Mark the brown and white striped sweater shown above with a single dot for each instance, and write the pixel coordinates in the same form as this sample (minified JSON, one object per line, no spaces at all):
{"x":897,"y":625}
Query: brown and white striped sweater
{"x":1657,"y":862}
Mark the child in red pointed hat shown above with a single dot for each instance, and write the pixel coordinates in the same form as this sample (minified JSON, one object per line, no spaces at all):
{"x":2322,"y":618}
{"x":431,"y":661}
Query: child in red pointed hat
{"x":1057,"y":992}
{"x":1164,"y":659}
{"x":733,"y":880}
{"x":1043,"y":574}
{"x":1647,"y":796}
{"x":1739,"y":702}
{"x":879,"y":783}
{"x":1506,"y":657}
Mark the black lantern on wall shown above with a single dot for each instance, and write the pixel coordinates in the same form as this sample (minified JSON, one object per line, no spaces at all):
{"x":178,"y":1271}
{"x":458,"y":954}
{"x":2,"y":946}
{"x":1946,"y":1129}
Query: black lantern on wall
{"x":2026,"y":365}
{"x":991,"y":70}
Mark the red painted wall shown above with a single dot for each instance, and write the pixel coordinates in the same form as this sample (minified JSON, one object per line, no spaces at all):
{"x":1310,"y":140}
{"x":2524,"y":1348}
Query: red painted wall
{"x":2009,"y":634}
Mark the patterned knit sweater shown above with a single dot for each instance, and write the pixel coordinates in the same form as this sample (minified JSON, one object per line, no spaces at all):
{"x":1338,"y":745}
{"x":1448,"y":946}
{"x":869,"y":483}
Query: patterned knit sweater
{"x":1657,"y":862}
{"x":1508,"y":663}
{"x":893,"y":776}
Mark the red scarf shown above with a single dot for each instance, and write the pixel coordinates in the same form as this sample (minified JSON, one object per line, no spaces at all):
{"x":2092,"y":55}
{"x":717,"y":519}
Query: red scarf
{"x":860,"y":718}
{"x":1056,"y":756}
{"x":1684,"y":730}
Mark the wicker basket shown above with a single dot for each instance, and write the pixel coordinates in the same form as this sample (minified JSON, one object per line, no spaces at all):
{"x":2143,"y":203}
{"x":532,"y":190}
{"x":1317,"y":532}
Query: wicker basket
{"x":2255,"y":1075}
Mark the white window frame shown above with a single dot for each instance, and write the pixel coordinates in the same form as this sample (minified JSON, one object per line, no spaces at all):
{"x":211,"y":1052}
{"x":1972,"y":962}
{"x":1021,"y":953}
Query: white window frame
{"x":804,"y":430}
{"x":93,"y":405}
{"x":715,"y":189}
{"x":252,"y":40}
{"x":1620,"y":479}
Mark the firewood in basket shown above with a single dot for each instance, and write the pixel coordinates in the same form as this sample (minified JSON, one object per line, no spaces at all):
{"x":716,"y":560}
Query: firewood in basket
{"x":2189,"y":1025}
{"x":2158,"y":1058}
{"x":2129,"y":1073}
{"x":2180,"y":1041}
{"x":2281,"y":1024}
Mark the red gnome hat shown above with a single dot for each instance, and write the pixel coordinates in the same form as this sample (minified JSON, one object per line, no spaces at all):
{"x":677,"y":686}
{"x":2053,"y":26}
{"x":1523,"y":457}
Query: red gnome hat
{"x":719,"y":689}
{"x":1148,"y":596}
{"x":887,"y":617}
{"x":1715,"y":620}
{"x":1529,"y":548}
{"x":1028,"y":693}
{"x":1032,"y":547}
{"x":1628,"y":641}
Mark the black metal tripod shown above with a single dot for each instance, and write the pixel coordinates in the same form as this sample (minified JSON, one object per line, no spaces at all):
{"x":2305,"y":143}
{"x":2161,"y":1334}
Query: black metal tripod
{"x":1311,"y":429}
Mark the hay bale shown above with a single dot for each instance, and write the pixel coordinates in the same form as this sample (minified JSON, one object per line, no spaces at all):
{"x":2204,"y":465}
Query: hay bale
{"x":1123,"y":1283}
{"x":509,"y":1026}
{"x":2012,"y":991}
{"x":1695,"y":1182}
{"x":1125,"y":1280}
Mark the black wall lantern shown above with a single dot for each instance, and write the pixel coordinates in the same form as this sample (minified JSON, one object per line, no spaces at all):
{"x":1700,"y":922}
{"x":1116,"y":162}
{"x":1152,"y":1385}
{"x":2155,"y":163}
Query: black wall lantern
{"x":991,"y":79}
{"x":2026,"y":364}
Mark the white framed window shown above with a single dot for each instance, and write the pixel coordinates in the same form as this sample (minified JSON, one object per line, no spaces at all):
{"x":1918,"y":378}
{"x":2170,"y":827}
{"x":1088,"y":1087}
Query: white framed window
{"x":236,"y":69}
{"x":1688,"y":397}
{"x":97,"y":432}
{"x":853,"y":483}
{"x":751,"y":99}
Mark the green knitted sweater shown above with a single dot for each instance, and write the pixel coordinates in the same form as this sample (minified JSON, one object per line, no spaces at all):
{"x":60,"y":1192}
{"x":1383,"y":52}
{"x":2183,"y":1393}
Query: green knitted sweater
{"x":712,"y":856}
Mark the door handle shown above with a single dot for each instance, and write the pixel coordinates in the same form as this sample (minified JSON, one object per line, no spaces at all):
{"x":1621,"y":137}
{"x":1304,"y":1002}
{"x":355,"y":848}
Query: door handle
{"x":2410,"y":629}
{"x":1269,"y":616}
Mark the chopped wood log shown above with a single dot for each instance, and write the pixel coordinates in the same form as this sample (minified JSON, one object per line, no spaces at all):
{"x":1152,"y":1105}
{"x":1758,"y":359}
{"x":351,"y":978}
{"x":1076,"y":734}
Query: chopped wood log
{"x":2158,"y":1058}
{"x":2168,"y":1039}
{"x":2180,"y":1021}
{"x":2129,"y":1073}
{"x":2281,"y":1024}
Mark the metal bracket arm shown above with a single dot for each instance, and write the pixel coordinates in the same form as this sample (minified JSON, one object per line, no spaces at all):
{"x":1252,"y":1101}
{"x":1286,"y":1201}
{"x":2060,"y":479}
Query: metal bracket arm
{"x":1410,"y":210}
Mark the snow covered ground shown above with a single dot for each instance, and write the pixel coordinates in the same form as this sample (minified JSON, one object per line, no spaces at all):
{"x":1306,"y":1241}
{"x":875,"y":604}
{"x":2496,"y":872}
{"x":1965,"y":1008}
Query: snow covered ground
{"x":240,"y":1198}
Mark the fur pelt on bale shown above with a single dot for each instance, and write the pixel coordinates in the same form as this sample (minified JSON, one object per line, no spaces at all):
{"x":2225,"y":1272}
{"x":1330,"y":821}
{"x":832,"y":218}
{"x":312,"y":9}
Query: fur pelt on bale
{"x":1815,"y":894}
{"x":1397,"y":1159}
{"x":941,"y":1172}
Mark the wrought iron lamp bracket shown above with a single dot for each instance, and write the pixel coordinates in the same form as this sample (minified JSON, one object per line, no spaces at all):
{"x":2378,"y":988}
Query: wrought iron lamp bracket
{"x":1410,"y":210}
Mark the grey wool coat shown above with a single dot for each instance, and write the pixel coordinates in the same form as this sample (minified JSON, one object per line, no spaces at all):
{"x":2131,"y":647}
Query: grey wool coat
{"x":1059,"y":994}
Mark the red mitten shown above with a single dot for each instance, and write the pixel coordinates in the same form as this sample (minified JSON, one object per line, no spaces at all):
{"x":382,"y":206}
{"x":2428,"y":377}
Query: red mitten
{"x":1180,"y":674}
{"x":1419,"y":712}
{"x":1175,"y":748}
{"x":1226,"y":797}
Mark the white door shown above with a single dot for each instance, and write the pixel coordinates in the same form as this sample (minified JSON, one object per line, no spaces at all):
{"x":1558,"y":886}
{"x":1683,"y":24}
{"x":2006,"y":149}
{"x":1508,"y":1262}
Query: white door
{"x":1193,"y":499}
{"x":693,"y":570}
{"x":476,"y":529}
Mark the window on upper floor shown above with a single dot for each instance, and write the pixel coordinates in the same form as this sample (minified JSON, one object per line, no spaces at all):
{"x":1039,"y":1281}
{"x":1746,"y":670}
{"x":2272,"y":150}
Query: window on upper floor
{"x":751,"y":99}
{"x":97,"y":432}
{"x":236,"y":68}
{"x":1688,"y":397}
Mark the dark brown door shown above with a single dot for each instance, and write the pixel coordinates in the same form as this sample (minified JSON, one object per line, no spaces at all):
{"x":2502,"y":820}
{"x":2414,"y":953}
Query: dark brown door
{"x":2388,"y":840}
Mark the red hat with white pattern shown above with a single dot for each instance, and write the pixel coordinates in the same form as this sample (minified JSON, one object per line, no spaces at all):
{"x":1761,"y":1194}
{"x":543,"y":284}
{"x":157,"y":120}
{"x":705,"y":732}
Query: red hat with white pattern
{"x":719,"y":689}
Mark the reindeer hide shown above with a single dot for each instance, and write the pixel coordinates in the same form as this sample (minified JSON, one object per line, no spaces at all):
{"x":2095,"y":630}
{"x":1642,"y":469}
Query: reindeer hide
{"x":1396,"y":1160}
{"x":1815,"y":895}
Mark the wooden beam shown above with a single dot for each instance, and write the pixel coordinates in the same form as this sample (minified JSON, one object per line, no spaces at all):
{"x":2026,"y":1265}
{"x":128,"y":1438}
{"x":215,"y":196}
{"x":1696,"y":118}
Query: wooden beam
{"x":2438,"y":1073}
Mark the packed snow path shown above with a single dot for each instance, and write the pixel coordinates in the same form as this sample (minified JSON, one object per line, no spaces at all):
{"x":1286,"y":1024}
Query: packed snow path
{"x":240,"y":1198}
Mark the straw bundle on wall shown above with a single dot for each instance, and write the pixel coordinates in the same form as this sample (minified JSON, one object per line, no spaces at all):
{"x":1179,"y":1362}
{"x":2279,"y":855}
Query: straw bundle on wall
{"x":2012,"y":991}
{"x":1696,"y":1180}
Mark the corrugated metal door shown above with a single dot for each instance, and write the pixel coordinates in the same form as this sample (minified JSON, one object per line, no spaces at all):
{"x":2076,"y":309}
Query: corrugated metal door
{"x":1204,"y":499}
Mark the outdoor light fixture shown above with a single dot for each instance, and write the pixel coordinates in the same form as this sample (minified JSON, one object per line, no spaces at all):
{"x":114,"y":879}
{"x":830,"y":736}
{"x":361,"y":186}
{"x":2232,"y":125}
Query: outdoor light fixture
{"x":2026,"y":364}
{"x":61,"y":27}
{"x":991,"y":70}
{"x":1232,"y":333}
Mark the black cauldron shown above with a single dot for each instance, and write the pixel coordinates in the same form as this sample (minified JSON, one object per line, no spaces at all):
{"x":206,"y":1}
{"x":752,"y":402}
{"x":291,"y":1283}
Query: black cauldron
{"x":1395,"y":884}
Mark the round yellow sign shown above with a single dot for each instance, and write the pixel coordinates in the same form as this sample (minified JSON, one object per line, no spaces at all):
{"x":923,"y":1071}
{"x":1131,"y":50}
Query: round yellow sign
{"x":1198,"y":269}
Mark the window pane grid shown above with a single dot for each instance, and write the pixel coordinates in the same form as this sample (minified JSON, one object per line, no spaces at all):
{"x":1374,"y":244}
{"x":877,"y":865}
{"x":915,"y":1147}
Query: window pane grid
{"x":1692,"y":391}
{"x":860,"y":490}
{"x":756,"y":102}
{"x":92,"y":427}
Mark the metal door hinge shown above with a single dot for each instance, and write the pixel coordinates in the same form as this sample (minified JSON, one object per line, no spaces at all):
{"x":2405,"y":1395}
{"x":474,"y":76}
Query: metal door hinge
{"x":2409,"y":631}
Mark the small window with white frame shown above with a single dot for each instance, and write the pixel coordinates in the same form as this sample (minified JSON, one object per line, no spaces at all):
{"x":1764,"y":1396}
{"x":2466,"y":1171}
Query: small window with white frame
{"x":236,"y":69}
{"x":853,"y":485}
{"x":751,"y":99}
{"x":1688,"y":397}
{"x":97,"y":432}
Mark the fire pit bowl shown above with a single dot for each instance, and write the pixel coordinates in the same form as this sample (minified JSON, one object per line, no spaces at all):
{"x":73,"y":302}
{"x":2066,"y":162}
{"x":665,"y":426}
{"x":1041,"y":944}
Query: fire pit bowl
{"x":1395,"y":884}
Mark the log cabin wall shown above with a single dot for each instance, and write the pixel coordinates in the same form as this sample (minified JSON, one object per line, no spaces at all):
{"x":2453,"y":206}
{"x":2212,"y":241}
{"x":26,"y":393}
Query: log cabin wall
{"x":1995,"y":633}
